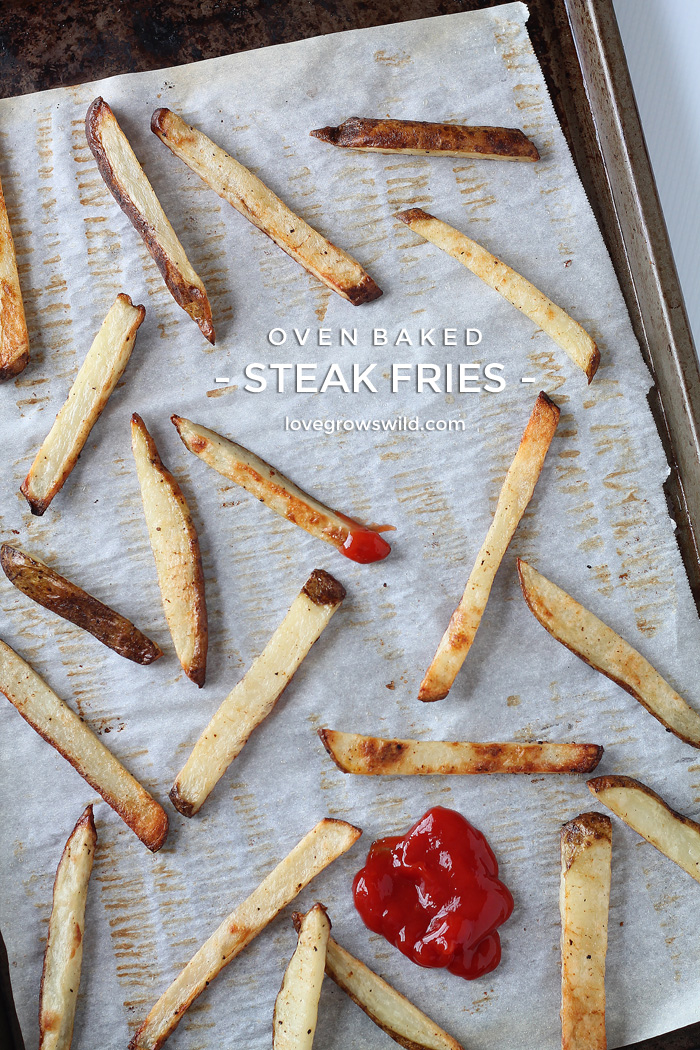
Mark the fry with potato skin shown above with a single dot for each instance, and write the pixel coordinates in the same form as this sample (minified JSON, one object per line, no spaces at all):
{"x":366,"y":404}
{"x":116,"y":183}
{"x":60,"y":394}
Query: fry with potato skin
{"x":580,"y":631}
{"x":513,"y":499}
{"x":60,"y":977}
{"x":255,"y":696}
{"x":327,"y":841}
{"x":584,"y":897}
{"x":14,"y":341}
{"x":126,"y":181}
{"x":53,"y":720}
{"x":175,"y":547}
{"x":425,"y":138}
{"x":296,"y":1007}
{"x":672,"y":833}
{"x":59,"y":595}
{"x":267,"y":484}
{"x":99,"y":374}
{"x":566,"y":332}
{"x":392,"y":1012}
{"x":254,"y":200}
{"x":375,"y":756}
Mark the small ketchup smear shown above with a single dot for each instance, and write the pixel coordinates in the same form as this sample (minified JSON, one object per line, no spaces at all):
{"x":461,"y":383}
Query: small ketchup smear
{"x":435,"y":895}
{"x":364,"y":546}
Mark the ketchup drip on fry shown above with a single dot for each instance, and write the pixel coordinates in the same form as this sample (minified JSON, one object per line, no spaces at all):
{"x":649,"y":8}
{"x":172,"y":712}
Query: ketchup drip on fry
{"x":364,"y":546}
{"x":435,"y":895}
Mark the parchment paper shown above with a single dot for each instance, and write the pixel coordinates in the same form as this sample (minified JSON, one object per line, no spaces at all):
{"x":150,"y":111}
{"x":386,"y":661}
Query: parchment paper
{"x":598,"y":525}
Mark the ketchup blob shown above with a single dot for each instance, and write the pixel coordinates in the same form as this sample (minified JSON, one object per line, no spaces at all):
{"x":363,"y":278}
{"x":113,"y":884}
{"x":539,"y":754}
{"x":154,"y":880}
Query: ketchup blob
{"x":435,"y":895}
{"x":364,"y":546}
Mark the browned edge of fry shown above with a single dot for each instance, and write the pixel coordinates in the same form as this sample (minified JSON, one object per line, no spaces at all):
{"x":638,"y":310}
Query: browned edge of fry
{"x":189,"y":297}
{"x":297,"y":916}
{"x":581,"y":830}
{"x":86,"y":819}
{"x":413,"y":215}
{"x":599,"y":784}
{"x":380,"y":753}
{"x":182,"y":805}
{"x":38,"y":506}
{"x":593,"y":365}
{"x":323,"y":589}
{"x":68,"y":600}
{"x":14,"y":342}
{"x":197,"y":671}
{"x":396,"y":135}
{"x":365,"y":291}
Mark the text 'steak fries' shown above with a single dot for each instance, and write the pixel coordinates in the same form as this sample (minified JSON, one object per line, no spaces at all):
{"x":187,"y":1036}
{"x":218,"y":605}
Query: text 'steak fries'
{"x":70,"y":736}
{"x":513,"y":499}
{"x":390,"y":1011}
{"x":176,"y":552}
{"x":254,"y":697}
{"x":14,"y":341}
{"x":598,"y":645}
{"x":357,"y":542}
{"x":566,"y":332}
{"x":372,"y":756}
{"x":66,"y":599}
{"x":322,"y":845}
{"x":673,"y":834}
{"x":126,"y":181}
{"x":296,"y":1007}
{"x":586,"y":851}
{"x":99,"y":374}
{"x":254,"y":200}
{"x":425,"y":138}
{"x":63,"y":957}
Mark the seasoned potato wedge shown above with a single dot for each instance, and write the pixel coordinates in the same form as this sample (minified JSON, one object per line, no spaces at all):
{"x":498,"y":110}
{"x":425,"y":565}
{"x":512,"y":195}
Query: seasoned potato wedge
{"x":586,"y":851}
{"x":14,"y":341}
{"x":392,"y":1012}
{"x":252,"y":198}
{"x":296,"y":1007}
{"x":255,"y":696}
{"x":53,"y":720}
{"x":598,"y":645}
{"x":99,"y":374}
{"x":372,"y":756}
{"x":424,"y":138}
{"x":126,"y":181}
{"x":673,"y":834}
{"x":57,"y":594}
{"x":355,"y":541}
{"x":567,"y":333}
{"x":514,"y":497}
{"x":63,"y":958}
{"x":176,"y":552}
{"x":322,"y":845}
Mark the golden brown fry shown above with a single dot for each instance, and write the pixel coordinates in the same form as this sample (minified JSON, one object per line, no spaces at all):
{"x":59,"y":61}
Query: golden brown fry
{"x":126,"y":181}
{"x":14,"y":341}
{"x":296,"y":1007}
{"x":370,"y":135}
{"x":586,"y":851}
{"x":514,"y":497}
{"x":322,"y":845}
{"x":254,"y":697}
{"x":673,"y":834}
{"x":392,"y":1012}
{"x":99,"y":374}
{"x":373,"y":756}
{"x":252,"y":198}
{"x":53,"y":720}
{"x":355,"y":541}
{"x":59,"y":595}
{"x":566,"y":332}
{"x":598,"y":645}
{"x":176,"y":552}
{"x":60,"y":978}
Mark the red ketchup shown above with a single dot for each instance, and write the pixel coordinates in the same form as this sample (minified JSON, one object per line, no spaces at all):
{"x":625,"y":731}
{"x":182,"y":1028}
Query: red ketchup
{"x":435,"y":895}
{"x":365,"y":545}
